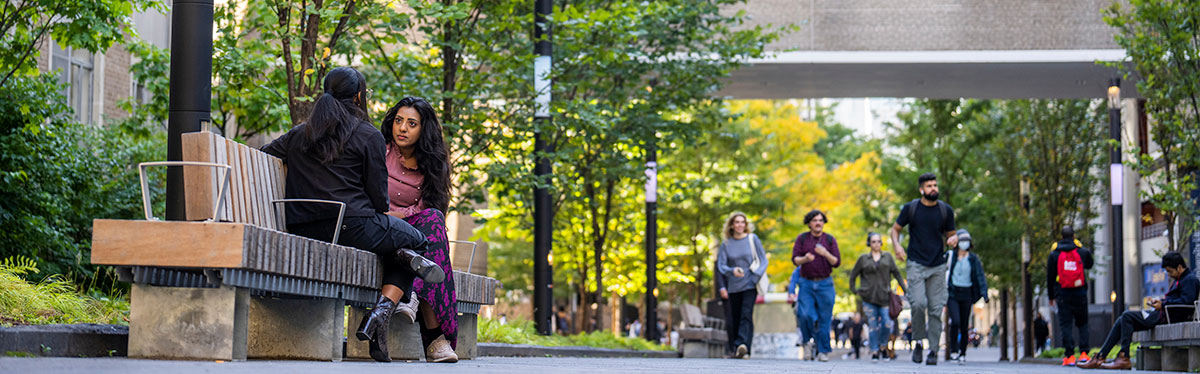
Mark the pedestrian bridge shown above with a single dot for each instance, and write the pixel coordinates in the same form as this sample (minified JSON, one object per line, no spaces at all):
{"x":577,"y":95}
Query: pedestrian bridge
{"x":931,"y":49}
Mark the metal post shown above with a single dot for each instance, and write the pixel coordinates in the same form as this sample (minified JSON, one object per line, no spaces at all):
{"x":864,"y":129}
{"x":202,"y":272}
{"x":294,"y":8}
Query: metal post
{"x":1116,"y":184}
{"x":190,"y":88}
{"x":651,"y":241}
{"x":1004,"y":328}
{"x":1027,"y":310}
{"x":543,"y":215}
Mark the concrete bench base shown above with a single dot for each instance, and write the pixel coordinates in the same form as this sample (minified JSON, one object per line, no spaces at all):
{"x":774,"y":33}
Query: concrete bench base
{"x":404,"y":337}
{"x":703,"y":342}
{"x":1170,"y":347}
{"x":226,"y":323}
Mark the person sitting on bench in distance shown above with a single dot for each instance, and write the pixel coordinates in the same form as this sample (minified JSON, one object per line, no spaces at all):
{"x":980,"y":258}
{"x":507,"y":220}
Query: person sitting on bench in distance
{"x":419,"y":193}
{"x":338,"y":155}
{"x":1183,"y":292}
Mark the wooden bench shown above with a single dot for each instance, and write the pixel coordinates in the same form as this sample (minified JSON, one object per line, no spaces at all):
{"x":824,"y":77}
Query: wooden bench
{"x":230,"y":284}
{"x":1174,"y":346}
{"x":701,"y":336}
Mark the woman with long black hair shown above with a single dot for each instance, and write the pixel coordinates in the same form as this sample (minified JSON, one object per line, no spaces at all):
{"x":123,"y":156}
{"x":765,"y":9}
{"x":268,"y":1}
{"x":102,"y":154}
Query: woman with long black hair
{"x":338,"y":155}
{"x":419,"y":192}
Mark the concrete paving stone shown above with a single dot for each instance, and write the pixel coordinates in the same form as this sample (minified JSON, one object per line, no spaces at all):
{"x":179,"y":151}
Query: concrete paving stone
{"x":509,"y":365}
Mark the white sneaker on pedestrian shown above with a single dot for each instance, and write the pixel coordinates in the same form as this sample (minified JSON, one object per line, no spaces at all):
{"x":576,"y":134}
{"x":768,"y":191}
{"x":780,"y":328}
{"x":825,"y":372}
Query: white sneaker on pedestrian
{"x":742,"y":351}
{"x":962,"y":359}
{"x":810,"y":352}
{"x":822,"y":357}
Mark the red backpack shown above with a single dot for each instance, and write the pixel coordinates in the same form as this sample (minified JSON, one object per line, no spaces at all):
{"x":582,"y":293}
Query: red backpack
{"x":1070,"y":269}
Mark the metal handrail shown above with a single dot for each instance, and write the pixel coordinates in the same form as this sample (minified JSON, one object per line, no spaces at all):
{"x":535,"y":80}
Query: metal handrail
{"x":220,"y":192}
{"x":473,"y":245}
{"x":337,"y":230}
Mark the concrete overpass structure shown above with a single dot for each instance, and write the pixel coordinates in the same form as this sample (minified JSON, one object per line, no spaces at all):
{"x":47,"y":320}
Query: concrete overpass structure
{"x":932,"y":49}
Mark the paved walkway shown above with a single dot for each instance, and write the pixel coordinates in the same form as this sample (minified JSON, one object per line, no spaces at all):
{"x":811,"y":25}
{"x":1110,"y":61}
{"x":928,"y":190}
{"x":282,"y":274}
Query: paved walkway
{"x":509,"y":365}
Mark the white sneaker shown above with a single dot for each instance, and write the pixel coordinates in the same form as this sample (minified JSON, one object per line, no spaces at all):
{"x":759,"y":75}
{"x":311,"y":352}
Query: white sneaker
{"x":409,"y":310}
{"x":810,"y":352}
{"x":440,"y":351}
{"x":962,"y":359}
{"x":822,"y":357}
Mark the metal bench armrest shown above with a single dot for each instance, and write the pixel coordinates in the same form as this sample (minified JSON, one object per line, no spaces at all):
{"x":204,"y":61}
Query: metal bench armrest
{"x":1167,"y":310}
{"x":337,"y":230}
{"x":472,"y":260}
{"x":220,"y":192}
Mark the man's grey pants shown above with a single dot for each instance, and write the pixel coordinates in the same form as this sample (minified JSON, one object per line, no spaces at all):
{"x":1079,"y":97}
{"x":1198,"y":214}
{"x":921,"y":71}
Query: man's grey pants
{"x":927,"y":294}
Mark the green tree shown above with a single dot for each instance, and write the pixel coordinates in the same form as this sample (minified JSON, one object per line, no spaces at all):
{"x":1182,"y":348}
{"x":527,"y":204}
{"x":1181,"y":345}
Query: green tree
{"x":1162,"y":39}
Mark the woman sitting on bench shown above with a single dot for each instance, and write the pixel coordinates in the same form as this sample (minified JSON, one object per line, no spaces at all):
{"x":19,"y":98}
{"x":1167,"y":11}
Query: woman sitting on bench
{"x":338,"y":155}
{"x":418,"y":192}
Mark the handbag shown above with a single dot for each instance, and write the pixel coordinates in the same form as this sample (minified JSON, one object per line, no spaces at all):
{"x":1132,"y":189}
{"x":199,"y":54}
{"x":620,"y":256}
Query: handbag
{"x":763,"y":282}
{"x":895,"y":304}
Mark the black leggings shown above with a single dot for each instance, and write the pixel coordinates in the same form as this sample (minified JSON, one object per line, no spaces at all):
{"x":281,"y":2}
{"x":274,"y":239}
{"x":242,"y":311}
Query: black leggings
{"x":381,"y":234}
{"x":959,"y":306}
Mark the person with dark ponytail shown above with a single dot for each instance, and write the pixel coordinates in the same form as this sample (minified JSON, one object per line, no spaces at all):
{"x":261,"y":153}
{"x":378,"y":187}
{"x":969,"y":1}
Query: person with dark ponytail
{"x":338,"y":155}
{"x":419,"y":192}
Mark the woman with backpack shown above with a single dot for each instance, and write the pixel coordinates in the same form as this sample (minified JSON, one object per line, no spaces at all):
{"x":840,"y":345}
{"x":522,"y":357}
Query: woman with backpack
{"x":742,"y":260}
{"x":966,"y":284}
{"x":877,"y":269}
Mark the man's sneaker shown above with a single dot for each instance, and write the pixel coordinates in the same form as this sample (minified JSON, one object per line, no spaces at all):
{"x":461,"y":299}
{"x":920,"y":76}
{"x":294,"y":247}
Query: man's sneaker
{"x":1069,"y":361}
{"x":741,"y":351}
{"x":953,"y":357}
{"x":1082,"y":357}
{"x":875,"y":356}
{"x":962,"y":358}
{"x":822,"y":357}
{"x":810,"y":351}
{"x":932,"y":358}
{"x":918,"y":352}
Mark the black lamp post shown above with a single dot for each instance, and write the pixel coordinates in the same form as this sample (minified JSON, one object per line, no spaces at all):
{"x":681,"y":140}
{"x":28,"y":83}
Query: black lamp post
{"x":1116,"y":183}
{"x":190,"y":94}
{"x":543,"y":214}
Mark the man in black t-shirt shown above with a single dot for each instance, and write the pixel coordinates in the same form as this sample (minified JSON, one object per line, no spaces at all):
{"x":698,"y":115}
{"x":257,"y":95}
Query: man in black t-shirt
{"x":930,"y":227}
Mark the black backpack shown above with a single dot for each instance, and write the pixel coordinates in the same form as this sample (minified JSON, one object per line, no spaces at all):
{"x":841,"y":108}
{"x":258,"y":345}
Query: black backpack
{"x":943,"y":208}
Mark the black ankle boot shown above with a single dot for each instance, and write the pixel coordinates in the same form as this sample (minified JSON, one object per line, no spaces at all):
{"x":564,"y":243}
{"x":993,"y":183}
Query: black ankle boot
{"x":425,"y":269}
{"x":374,"y":327}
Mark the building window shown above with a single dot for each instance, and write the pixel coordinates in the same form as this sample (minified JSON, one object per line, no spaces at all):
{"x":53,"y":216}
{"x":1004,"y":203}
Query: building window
{"x":74,"y":69}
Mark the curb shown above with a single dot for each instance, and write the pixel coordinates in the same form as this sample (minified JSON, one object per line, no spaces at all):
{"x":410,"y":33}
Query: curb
{"x":522,"y":350}
{"x":81,"y":340}
{"x":1041,"y":361}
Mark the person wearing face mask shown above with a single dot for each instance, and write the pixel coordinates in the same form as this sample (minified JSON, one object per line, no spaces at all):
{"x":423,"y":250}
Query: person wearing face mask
{"x":966,"y":286}
{"x":930,"y":229}
{"x":818,"y":252}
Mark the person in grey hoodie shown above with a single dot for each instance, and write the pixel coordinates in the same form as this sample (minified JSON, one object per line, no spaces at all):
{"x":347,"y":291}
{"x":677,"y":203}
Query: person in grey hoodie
{"x":742,"y":260}
{"x":966,"y":284}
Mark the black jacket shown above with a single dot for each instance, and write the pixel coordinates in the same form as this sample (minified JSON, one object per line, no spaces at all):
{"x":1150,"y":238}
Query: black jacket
{"x":1085,"y":255}
{"x":1183,"y":292}
{"x":979,"y":287}
{"x":357,"y":177}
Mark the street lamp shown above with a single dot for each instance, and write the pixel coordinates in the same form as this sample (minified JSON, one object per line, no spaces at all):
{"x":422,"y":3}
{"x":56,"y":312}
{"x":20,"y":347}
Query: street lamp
{"x":1116,"y":174}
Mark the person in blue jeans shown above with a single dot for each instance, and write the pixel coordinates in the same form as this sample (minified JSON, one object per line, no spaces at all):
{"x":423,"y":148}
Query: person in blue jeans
{"x":818,"y":252}
{"x":793,"y":297}
{"x":877,"y":269}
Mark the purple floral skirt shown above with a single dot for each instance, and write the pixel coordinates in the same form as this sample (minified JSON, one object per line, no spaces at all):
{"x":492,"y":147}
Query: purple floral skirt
{"x":441,"y":296}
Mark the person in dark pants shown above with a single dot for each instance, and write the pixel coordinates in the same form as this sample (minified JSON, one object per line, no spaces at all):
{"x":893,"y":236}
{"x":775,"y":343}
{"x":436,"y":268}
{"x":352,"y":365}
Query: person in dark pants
{"x":965,"y":286}
{"x":1066,"y":280}
{"x":1183,"y":292}
{"x":730,"y":325}
{"x":855,"y":329}
{"x":931,"y":229}
{"x":1041,"y":331}
{"x":743,"y":261}
{"x":337,"y":155}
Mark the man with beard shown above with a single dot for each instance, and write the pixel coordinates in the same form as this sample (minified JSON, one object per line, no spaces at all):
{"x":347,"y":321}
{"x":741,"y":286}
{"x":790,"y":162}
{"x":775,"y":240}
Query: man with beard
{"x":930,"y":227}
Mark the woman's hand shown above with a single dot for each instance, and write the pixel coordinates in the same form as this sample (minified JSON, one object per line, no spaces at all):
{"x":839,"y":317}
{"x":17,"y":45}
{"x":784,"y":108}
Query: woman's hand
{"x":724,"y":294}
{"x":738,"y":272}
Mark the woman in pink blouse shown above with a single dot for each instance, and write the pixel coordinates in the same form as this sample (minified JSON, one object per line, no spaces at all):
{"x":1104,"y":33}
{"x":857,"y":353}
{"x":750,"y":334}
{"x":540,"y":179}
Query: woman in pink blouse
{"x":419,"y":193}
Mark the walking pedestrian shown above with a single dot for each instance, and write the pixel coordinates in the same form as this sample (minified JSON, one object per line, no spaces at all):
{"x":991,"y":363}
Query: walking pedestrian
{"x":418,"y":169}
{"x":930,"y":227}
{"x":1041,"y":333}
{"x":877,"y":269}
{"x":967,"y":284}
{"x":793,"y":299}
{"x":818,"y":252}
{"x":338,"y":155}
{"x":1066,"y":281}
{"x":854,"y":328}
{"x":1183,"y":292}
{"x":740,"y":249}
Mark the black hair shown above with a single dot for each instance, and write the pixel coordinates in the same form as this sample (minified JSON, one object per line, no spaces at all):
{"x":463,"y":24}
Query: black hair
{"x":925,"y":178}
{"x":1172,"y":260}
{"x":813,"y":214}
{"x":870,"y":234}
{"x":430,"y":151}
{"x":335,"y":113}
{"x":1068,"y":232}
